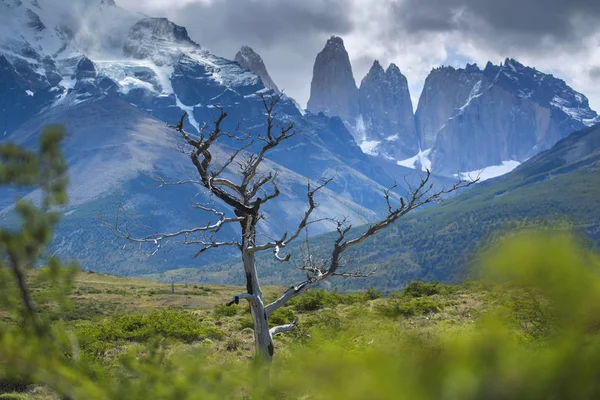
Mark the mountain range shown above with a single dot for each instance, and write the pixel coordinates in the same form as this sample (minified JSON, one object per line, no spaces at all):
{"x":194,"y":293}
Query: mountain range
{"x":467,"y":119}
{"x":115,"y":79}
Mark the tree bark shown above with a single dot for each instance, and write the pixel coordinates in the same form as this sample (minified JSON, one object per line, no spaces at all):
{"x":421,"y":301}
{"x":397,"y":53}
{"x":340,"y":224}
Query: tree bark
{"x":263,"y":340}
{"x":262,"y":336}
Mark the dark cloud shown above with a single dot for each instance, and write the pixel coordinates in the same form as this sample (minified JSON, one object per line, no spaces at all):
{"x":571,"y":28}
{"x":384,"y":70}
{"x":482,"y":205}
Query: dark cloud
{"x":558,"y":20}
{"x":268,"y":22}
{"x":595,"y":73}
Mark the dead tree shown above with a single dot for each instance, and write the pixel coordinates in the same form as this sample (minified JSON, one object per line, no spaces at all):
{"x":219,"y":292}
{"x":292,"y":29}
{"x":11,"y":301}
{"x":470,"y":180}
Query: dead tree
{"x":241,"y":196}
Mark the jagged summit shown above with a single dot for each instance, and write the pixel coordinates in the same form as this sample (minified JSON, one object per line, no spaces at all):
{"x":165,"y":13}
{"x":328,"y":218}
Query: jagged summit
{"x":386,"y":126}
{"x":333,"y":89}
{"x":335,"y":42}
{"x":393,"y":69}
{"x":472,"y":68}
{"x":376,"y":69}
{"x":156,"y":38}
{"x":251,"y":60}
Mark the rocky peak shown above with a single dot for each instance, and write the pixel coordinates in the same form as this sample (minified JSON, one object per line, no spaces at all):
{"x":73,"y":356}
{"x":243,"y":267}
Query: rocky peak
{"x":502,"y":115}
{"x":393,"y":69}
{"x":396,"y":79}
{"x":335,"y":43}
{"x":544,"y":89}
{"x":251,"y":60}
{"x":472,"y":68}
{"x":153,"y":37}
{"x":85,"y":69}
{"x":333,"y":89}
{"x":386,"y":110}
{"x":376,"y":69}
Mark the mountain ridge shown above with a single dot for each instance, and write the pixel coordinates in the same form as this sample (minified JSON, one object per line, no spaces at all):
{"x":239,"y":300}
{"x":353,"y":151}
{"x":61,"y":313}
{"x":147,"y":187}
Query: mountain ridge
{"x":467,"y":119}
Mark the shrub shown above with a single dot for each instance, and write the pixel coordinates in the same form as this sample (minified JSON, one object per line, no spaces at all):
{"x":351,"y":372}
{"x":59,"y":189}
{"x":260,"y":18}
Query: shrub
{"x":315,"y":300}
{"x":282,"y":316}
{"x":95,"y":337}
{"x":233,"y":344}
{"x":222,"y":310}
{"x":246,"y":322}
{"x":422,"y":289}
{"x":372,"y":294}
{"x":394,"y":308}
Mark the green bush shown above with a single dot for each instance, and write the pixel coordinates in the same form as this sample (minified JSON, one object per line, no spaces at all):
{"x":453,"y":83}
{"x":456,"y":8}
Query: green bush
{"x":314,"y":300}
{"x":233,"y":344}
{"x":222,"y":310}
{"x":372,"y":294}
{"x":395,"y":307}
{"x":422,"y":289}
{"x":246,"y":322}
{"x":282,"y":316}
{"x":96,"y":337}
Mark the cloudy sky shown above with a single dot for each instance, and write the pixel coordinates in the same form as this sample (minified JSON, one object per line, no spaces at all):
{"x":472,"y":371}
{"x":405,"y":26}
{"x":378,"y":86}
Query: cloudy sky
{"x":556,"y":36}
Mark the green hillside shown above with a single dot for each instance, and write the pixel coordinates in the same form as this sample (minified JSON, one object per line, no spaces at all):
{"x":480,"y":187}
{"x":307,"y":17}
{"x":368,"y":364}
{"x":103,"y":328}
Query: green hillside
{"x":558,"y":189}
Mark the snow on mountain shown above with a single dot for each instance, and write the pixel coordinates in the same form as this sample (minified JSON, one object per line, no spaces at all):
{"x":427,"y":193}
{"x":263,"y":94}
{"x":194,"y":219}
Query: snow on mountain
{"x":474,"y":119}
{"x":492,"y":171}
{"x":420,"y":161}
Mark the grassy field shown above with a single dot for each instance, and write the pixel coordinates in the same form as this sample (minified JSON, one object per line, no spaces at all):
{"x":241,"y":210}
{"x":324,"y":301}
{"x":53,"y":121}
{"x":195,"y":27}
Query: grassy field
{"x":113,"y":315}
{"x":513,"y":335}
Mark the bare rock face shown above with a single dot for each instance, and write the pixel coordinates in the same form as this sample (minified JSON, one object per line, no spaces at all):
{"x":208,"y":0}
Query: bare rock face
{"x":249,"y":59}
{"x":472,"y":118}
{"x":446,"y":89}
{"x":387,"y":113}
{"x":333,"y":89}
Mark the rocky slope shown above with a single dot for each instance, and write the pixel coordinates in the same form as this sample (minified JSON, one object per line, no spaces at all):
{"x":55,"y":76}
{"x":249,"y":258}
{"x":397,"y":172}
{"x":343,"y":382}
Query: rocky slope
{"x":252,"y":61}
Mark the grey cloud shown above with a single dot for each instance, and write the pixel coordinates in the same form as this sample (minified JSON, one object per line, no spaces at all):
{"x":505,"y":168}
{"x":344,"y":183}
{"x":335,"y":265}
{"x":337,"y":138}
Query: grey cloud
{"x":530,"y":20}
{"x":267,"y":21}
{"x":595,"y":73}
{"x":287,"y":34}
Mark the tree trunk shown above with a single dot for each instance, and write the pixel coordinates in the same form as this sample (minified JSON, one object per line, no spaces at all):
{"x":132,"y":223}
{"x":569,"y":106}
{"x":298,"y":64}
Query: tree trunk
{"x":262,"y":337}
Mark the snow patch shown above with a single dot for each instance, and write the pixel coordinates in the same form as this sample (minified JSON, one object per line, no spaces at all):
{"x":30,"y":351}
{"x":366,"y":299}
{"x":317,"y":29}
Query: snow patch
{"x":190,"y":113}
{"x":577,"y":113}
{"x":475,"y":93}
{"x":492,"y":171}
{"x":369,"y":147}
{"x":422,"y":157}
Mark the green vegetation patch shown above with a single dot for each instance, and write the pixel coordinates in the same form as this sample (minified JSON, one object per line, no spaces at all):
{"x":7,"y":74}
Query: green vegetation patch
{"x":96,"y":337}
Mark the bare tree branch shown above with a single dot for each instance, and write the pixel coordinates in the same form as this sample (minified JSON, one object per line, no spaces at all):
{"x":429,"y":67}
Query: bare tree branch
{"x":283,"y":328}
{"x":312,"y":205}
{"x":158,"y":238}
{"x":419,"y":197}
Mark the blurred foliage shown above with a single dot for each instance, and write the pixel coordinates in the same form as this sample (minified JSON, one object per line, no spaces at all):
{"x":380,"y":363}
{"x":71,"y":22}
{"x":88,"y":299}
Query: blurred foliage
{"x":536,"y":338}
